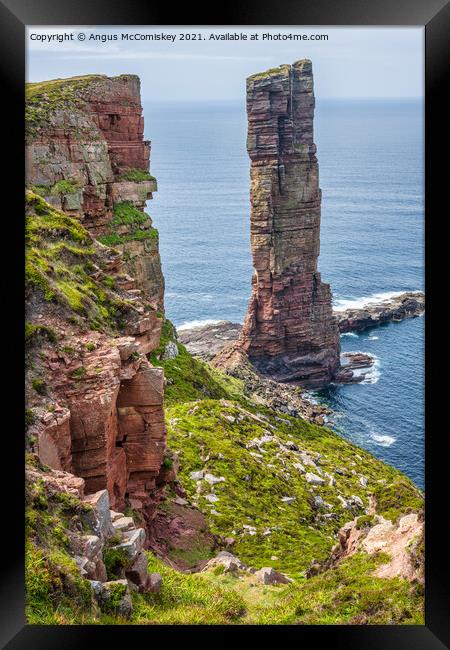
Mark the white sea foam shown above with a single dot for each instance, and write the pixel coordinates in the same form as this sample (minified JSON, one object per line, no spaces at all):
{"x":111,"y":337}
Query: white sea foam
{"x":358,"y":303}
{"x":196,"y":323}
{"x":352,"y":334}
{"x":383,"y":441}
{"x":373,"y":338}
{"x":309,"y":397}
{"x":371,"y":375}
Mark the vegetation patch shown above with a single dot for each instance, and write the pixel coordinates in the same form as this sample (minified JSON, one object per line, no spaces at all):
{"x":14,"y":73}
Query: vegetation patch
{"x":35,"y":333}
{"x":39,"y":386}
{"x":60,"y":262}
{"x":186,"y":599}
{"x":60,"y":188}
{"x":116,"y":561}
{"x":398,"y":498}
{"x":264,"y":500}
{"x":55,"y":591}
{"x":348,"y":594}
{"x":138,"y":222}
{"x":44,"y":99}
{"x":136,"y":175}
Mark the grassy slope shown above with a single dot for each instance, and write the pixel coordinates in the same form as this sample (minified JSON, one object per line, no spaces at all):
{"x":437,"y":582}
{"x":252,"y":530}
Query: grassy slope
{"x":210,"y":424}
{"x":61,"y":262}
{"x":210,"y":421}
{"x":57,"y":595}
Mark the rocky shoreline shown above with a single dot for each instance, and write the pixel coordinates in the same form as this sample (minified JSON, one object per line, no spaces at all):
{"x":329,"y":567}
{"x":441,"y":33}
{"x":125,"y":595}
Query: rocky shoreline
{"x":206,"y":341}
{"x":405,"y":305}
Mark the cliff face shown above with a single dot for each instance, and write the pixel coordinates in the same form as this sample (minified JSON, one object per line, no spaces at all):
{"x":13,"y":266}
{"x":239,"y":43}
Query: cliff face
{"x":86,"y":155}
{"x":289,"y":331}
{"x":94,"y":290}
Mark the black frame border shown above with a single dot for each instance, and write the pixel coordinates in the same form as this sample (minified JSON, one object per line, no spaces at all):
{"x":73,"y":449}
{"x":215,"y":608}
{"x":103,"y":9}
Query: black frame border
{"x":434,"y":15}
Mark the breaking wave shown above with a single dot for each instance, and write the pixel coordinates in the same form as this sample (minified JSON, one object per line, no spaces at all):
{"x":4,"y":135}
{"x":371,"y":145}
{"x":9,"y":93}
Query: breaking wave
{"x":383,"y":441}
{"x":196,"y":323}
{"x":358,"y":303}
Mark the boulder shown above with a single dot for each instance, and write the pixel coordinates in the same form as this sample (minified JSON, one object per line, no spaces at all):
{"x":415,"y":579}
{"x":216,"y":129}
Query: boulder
{"x":138,"y":574}
{"x":154,"y":583}
{"x":230,"y":562}
{"x":314,"y":479}
{"x":100,"y":505}
{"x":133,"y":542}
{"x":197,"y":476}
{"x":269,"y":576}
{"x":115,"y":597}
{"x":170,"y":351}
{"x":123,"y":523}
{"x":212,"y":480}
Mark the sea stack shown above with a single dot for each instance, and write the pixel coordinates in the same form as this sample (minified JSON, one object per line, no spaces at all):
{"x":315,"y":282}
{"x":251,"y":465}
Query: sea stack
{"x":289,"y":331}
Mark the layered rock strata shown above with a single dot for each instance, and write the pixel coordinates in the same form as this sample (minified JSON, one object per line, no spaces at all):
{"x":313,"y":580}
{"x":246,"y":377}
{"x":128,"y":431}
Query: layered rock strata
{"x":85,"y":154}
{"x":99,"y":410}
{"x":397,"y":308}
{"x":289,"y":332}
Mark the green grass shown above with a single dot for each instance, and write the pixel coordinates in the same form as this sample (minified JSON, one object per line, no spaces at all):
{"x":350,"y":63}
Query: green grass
{"x":189,"y":378}
{"x":39,"y":386}
{"x":116,"y":561}
{"x":55,"y":591}
{"x":60,"y":188}
{"x":347,"y":594}
{"x":398,"y":498}
{"x":186,"y":599}
{"x":33,"y":333}
{"x":136,"y":175}
{"x":44,"y":98}
{"x":60,"y":260}
{"x":138,"y":222}
{"x":211,"y":422}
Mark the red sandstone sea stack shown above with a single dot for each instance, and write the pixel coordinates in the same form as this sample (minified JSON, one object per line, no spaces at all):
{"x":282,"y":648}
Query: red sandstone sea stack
{"x":289,"y":331}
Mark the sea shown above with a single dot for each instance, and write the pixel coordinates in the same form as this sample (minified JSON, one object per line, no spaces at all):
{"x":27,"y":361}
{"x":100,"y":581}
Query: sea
{"x":371,"y":164}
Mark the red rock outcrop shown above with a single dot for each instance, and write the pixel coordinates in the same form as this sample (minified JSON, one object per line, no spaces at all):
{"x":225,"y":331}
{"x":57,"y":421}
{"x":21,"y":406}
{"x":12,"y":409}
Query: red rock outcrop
{"x":91,"y":137}
{"x":101,"y":415}
{"x":289,"y":332}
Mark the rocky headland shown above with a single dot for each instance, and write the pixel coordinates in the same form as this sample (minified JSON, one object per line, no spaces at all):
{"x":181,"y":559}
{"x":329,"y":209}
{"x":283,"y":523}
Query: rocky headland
{"x":160,"y":489}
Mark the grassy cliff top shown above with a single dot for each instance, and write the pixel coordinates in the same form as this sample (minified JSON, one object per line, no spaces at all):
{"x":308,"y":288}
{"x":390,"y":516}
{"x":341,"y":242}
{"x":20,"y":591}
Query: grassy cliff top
{"x":280,"y":70}
{"x":43,"y":100}
{"x":53,"y":87}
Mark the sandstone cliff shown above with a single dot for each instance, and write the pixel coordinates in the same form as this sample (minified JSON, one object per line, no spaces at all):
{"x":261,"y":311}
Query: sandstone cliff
{"x":94,"y":290}
{"x":86,"y":155}
{"x":289,"y":332}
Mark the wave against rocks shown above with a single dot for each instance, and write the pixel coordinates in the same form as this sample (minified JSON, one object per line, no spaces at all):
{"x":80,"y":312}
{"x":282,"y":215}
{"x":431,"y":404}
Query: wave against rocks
{"x":208,"y":339}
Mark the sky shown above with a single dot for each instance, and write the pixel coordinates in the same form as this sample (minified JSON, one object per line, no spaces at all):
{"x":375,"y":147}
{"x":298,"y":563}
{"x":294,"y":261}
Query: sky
{"x":361,"y":62}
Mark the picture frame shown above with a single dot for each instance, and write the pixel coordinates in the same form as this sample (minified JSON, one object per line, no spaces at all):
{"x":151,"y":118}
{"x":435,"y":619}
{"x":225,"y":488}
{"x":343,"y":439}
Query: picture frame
{"x":435,"y":17}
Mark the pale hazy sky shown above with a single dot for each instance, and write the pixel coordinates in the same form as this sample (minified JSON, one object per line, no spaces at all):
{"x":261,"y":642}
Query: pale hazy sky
{"x":353,"y":63}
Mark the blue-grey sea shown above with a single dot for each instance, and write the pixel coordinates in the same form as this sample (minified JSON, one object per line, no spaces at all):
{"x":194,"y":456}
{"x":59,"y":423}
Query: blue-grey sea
{"x":371,"y":173}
